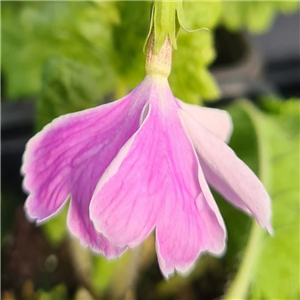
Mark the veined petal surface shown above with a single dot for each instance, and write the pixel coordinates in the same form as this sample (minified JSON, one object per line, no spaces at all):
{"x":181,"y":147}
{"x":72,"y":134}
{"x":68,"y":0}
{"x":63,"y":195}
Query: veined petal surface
{"x":68,"y":157}
{"x":154,"y":181}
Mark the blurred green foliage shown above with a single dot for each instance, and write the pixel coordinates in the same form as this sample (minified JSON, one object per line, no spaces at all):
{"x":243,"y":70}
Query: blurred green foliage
{"x":33,"y":32}
{"x":277,"y":268}
{"x":274,"y":269}
{"x":58,"y":292}
{"x":108,"y":38}
{"x":255,"y":16}
{"x":69,"y":86}
{"x":56,"y":228}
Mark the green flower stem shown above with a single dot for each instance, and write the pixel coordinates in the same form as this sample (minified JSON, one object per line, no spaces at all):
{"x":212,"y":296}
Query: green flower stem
{"x":240,"y":286}
{"x":159,"y":64}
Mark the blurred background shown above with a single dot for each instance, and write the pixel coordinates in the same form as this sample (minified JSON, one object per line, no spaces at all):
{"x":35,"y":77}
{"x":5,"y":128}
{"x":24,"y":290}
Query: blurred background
{"x":60,"y":57}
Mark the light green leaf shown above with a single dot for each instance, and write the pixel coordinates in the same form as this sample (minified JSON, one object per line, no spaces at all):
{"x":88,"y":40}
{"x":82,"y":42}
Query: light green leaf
{"x":277,"y":270}
{"x":128,"y":40}
{"x":270,"y":266}
{"x":35,"y":31}
{"x":266,"y":12}
{"x":287,"y":6}
{"x":202,"y":14}
{"x":106,"y":36}
{"x":256,"y":16}
{"x":190,"y":80}
{"x":67,"y":87}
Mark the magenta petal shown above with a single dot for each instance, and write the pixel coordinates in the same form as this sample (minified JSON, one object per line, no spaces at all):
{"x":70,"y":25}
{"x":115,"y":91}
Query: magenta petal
{"x":128,"y":198}
{"x":190,"y":222}
{"x":216,"y":121}
{"x":68,"y":157}
{"x":228,"y":174}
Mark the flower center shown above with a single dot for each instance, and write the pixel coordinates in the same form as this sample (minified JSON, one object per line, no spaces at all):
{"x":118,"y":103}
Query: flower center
{"x":159,"y":64}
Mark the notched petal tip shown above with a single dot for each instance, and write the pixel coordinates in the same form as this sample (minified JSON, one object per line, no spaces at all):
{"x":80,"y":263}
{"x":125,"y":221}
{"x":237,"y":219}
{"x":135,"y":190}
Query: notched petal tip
{"x":168,"y":271}
{"x":39,"y":215}
{"x":29,"y":214}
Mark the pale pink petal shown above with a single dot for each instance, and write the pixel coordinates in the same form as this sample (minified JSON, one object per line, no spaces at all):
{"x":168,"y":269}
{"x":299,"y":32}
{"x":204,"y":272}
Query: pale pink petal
{"x":228,"y":174}
{"x":68,"y":157}
{"x":190,"y":222}
{"x":216,"y":121}
{"x":154,"y":180}
{"x":128,"y":199}
{"x":187,"y":228}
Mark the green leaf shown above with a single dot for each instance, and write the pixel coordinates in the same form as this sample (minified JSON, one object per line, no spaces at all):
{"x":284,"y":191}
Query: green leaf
{"x":128,"y":40}
{"x":266,"y":12}
{"x":256,"y":16}
{"x":287,"y":6}
{"x":104,"y":36}
{"x":195,"y":52}
{"x":277,"y":271}
{"x":109,"y":36}
{"x":35,"y":31}
{"x":202,"y":14}
{"x":69,"y":86}
{"x":190,"y":80}
{"x":270,"y":266}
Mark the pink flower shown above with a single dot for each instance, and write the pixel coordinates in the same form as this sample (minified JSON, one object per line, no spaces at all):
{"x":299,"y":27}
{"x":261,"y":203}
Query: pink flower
{"x":140,"y":164}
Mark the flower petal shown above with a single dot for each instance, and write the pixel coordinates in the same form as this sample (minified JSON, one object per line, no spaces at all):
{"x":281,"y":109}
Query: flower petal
{"x":81,"y":226}
{"x":154,"y":180}
{"x":68,"y":157}
{"x":228,"y":174}
{"x":127,"y":199}
{"x":216,"y":121}
{"x":190,"y":222}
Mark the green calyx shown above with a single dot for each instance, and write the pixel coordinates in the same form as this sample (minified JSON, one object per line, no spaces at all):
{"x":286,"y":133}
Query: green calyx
{"x":166,"y":19}
{"x":164,"y":22}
